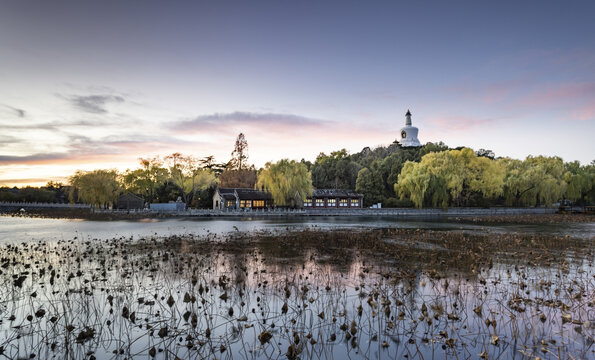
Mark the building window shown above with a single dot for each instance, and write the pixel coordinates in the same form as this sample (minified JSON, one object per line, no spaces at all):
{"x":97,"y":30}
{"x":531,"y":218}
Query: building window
{"x":331,"y":203}
{"x":343,"y":203}
{"x":308,"y":202}
{"x":319,"y":202}
{"x":258,"y":203}
{"x":245,"y":203}
{"x":230,"y":203}
{"x":354,"y":202}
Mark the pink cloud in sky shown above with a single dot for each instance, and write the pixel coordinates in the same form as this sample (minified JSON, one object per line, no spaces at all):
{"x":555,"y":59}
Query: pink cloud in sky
{"x":586,"y":112}
{"x":560,"y":94}
{"x":458,"y":122}
{"x":493,"y":92}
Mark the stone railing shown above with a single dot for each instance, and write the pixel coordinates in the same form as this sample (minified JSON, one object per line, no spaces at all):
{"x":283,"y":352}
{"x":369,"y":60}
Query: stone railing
{"x":38,"y":205}
{"x":401,"y":212}
{"x":345,"y":212}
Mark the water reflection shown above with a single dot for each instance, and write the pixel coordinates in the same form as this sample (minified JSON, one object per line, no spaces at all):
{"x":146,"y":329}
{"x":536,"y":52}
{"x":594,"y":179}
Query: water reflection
{"x":324,"y":294}
{"x":19,"y":229}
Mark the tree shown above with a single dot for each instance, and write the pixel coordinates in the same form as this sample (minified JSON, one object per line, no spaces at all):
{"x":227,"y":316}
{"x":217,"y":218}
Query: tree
{"x":239,"y":156}
{"x":431,"y":147}
{"x":284,"y":180}
{"x":168,"y":191}
{"x":218,"y":168}
{"x":480,"y":176}
{"x":413,"y":183}
{"x":189,"y":176}
{"x":207,"y":162}
{"x":98,"y":187}
{"x":335,"y":171}
{"x":145,"y":180}
{"x":580,"y":180}
{"x":245,"y":178}
{"x":485,"y":153}
{"x":536,"y":180}
{"x":370,"y":185}
{"x":450,"y":177}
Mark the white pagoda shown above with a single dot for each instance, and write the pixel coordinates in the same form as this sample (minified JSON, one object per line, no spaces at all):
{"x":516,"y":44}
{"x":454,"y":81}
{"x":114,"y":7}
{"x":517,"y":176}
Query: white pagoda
{"x":409,"y":133}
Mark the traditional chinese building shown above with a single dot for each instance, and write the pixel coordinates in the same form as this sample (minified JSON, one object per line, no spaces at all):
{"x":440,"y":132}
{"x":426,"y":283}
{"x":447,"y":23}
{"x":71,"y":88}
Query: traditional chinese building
{"x":128,"y":201}
{"x":334,"y":199}
{"x":238,"y":198}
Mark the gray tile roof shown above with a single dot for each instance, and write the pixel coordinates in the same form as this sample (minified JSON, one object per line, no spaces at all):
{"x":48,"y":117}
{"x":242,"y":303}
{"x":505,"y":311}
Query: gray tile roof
{"x":319,"y":193}
{"x":245,"y":194}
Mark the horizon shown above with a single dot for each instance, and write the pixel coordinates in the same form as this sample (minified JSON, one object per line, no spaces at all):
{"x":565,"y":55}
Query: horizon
{"x":144,"y":79}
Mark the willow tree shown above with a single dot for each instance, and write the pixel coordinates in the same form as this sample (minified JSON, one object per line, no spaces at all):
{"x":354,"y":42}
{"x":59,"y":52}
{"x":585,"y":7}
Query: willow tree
{"x":536,"y":180}
{"x":188,"y":174}
{"x":435,"y":178}
{"x":413,"y":182}
{"x":480,"y":175}
{"x":450,"y":177}
{"x":580,"y":180}
{"x":286,"y":180}
{"x":97,"y":188}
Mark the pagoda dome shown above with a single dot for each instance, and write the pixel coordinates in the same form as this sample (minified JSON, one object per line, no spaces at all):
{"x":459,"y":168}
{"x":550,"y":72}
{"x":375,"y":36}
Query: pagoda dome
{"x":409,"y":133}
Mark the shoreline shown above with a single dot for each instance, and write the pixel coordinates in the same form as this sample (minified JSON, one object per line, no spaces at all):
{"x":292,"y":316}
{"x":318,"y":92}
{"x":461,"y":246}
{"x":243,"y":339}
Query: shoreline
{"x":475,"y":215}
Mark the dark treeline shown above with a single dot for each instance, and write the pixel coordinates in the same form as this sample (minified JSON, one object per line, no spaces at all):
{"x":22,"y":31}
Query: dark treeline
{"x":53,"y":192}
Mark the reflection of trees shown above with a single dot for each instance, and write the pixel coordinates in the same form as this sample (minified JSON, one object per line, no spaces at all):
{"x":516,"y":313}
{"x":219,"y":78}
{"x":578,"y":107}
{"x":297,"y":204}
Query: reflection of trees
{"x":214,"y":282}
{"x":238,"y":266}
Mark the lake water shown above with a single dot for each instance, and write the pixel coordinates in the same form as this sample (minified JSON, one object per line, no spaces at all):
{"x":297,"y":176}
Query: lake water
{"x":22,"y":229}
{"x":269,"y":288}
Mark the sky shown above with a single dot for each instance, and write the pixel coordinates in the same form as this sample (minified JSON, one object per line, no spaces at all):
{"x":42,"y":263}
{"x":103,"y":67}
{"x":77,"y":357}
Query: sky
{"x":99,"y":84}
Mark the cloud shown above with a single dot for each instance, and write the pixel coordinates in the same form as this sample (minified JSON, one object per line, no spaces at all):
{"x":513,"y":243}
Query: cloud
{"x":50,"y":126}
{"x":80,"y":149}
{"x":231,"y":122}
{"x":34,"y":158}
{"x":7,"y":139}
{"x":11,"y":110}
{"x":586,"y":112}
{"x":95,"y":104}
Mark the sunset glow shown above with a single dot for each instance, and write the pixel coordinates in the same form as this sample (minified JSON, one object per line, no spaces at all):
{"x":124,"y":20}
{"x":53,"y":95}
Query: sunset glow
{"x":87,"y":85}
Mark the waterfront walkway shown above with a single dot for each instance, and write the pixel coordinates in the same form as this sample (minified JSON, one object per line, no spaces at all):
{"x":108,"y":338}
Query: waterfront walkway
{"x":280,"y":212}
{"x":348,"y":212}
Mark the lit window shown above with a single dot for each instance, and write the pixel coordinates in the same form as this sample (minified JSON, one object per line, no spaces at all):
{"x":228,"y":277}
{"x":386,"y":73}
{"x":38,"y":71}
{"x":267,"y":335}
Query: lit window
{"x":229,"y":203}
{"x":331,"y":202}
{"x":343,"y":202}
{"x":308,"y":202}
{"x":258,"y":203}
{"x":355,"y":202}
{"x":319,"y":202}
